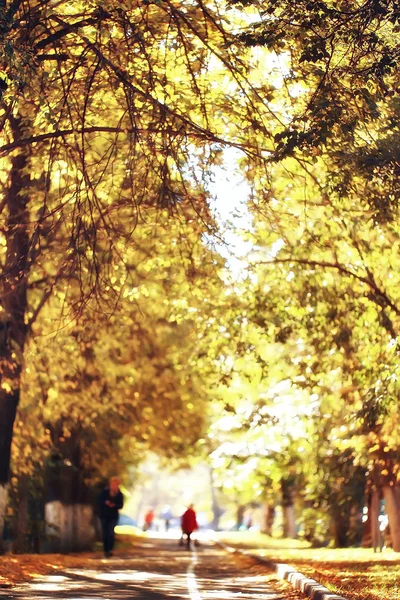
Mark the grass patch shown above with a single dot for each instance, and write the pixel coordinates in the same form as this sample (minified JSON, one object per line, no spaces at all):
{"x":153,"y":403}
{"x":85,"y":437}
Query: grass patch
{"x":129,"y":530}
{"x":355,"y":573}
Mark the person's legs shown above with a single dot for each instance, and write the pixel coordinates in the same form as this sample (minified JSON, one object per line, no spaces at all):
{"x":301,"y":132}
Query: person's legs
{"x":104,"y":531}
{"x":111,"y":534}
{"x":108,"y":526}
{"x":188,"y":540}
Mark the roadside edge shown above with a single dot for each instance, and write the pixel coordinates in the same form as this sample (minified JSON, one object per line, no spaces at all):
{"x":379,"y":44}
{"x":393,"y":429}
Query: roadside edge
{"x":311,"y":588}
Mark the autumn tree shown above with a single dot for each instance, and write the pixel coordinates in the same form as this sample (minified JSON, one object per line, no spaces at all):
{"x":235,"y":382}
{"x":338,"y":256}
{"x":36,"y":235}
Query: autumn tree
{"x":106,"y":110}
{"x":328,"y":210}
{"x":107,"y":388}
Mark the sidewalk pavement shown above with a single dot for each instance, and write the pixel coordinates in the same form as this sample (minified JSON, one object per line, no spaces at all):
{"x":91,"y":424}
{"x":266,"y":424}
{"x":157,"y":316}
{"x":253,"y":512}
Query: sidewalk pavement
{"x":311,"y":588}
{"x":153,"y":568}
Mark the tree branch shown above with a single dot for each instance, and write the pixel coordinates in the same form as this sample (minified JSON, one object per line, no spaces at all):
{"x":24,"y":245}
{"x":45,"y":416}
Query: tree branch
{"x":123,"y":76}
{"x":369,"y":281}
{"x":6,"y":148}
{"x":66,"y":29}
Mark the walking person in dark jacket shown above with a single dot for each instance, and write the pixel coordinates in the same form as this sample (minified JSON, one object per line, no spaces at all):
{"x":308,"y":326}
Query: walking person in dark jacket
{"x":110,"y":501}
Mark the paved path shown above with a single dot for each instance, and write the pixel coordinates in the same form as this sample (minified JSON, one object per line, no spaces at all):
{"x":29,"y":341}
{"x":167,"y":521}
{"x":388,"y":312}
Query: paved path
{"x":157,"y":569}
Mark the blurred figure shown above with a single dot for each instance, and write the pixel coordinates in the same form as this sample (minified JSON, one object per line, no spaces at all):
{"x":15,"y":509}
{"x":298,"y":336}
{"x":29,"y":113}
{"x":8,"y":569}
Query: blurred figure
{"x":110,"y":501}
{"x":148,"y":519}
{"x":188,"y":525}
{"x":166,"y":515}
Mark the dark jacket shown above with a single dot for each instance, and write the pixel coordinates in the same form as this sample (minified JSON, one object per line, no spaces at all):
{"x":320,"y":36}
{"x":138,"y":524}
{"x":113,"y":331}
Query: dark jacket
{"x":110,"y":512}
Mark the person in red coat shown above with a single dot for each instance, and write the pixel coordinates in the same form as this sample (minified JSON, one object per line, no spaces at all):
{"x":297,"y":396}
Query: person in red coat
{"x":148,"y":519}
{"x":188,"y":524}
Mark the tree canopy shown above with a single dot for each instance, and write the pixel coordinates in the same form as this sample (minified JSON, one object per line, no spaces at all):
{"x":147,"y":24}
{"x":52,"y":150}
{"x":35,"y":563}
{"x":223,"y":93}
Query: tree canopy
{"x":119,"y":320}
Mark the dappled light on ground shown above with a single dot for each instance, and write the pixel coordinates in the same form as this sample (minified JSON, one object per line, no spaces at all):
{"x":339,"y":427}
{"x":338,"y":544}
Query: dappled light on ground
{"x":156,"y":568}
{"x":356,"y":573}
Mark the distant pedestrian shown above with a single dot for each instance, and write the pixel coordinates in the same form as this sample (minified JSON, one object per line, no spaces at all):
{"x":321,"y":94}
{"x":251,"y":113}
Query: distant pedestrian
{"x":188,"y":524}
{"x":110,"y":501}
{"x":166,"y":514}
{"x":148,"y":519}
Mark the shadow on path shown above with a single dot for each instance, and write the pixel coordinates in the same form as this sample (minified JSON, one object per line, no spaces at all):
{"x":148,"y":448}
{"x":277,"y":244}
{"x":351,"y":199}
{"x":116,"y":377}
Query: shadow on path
{"x":154,"y":569}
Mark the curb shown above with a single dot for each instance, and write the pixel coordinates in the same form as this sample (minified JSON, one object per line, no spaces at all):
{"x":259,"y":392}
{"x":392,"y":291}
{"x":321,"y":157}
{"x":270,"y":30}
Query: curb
{"x":311,"y":588}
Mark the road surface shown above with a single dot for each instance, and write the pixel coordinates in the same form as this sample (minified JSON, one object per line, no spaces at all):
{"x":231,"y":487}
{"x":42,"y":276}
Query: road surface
{"x":157,"y":568}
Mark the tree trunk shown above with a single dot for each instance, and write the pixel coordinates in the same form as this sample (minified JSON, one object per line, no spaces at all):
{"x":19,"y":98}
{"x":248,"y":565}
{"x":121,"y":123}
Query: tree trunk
{"x":8,"y":407}
{"x":268,"y":518}
{"x":69,"y":527}
{"x":289,"y":522}
{"x":13,"y":330}
{"x":3,"y":507}
{"x":373,"y":517}
{"x":371,"y":521}
{"x":240,"y":516}
{"x":366,"y":541}
{"x":217,"y":511}
{"x":20,"y":543}
{"x":392,"y":500}
{"x":341,"y":529}
{"x":20,"y":536}
{"x":69,"y":515}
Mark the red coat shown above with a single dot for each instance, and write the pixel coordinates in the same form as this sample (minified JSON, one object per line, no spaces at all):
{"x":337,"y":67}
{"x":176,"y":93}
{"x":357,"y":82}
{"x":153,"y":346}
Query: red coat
{"x":149,"y":517}
{"x":188,"y":521}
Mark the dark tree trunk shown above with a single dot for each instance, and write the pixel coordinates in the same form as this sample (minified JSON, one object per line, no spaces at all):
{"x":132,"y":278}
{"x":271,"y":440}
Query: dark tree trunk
{"x":13,"y":330}
{"x":20,"y":543}
{"x":373,"y":517}
{"x":268,"y":518}
{"x":8,"y":408}
{"x":341,"y":524}
{"x":392,"y":498}
{"x":240,"y":516}
{"x":3,"y":506}
{"x":69,"y":513}
{"x":385,"y":476}
{"x":289,"y":519}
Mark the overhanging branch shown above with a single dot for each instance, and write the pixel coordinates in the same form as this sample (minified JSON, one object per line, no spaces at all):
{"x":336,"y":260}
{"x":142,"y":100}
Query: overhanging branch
{"x":6,"y":148}
{"x":367,"y":280}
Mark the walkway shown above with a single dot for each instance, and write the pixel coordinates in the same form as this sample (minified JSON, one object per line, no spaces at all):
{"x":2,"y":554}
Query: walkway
{"x":157,"y":569}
